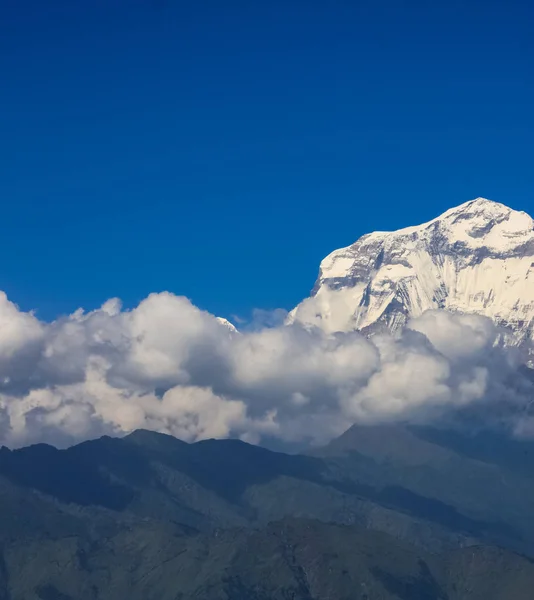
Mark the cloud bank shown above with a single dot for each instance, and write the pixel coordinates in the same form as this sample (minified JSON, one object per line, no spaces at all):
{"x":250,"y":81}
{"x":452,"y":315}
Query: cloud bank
{"x":168,"y":366}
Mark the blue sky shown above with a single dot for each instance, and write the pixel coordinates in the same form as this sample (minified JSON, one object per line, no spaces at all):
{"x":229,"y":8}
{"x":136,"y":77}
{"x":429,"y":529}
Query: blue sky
{"x":220,"y":149}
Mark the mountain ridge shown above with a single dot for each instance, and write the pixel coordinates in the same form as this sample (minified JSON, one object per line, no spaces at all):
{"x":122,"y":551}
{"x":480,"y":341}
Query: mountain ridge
{"x":151,"y":516}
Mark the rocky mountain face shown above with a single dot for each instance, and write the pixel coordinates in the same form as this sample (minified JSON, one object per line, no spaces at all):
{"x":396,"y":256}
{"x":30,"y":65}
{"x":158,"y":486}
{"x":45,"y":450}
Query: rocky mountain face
{"x":475,"y":258}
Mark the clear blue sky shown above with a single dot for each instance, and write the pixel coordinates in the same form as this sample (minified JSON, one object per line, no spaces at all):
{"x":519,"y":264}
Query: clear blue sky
{"x":219,"y":149}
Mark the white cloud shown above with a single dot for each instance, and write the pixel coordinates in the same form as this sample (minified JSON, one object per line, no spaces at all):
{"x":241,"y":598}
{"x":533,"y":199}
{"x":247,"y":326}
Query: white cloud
{"x":169,"y":366}
{"x":457,"y":336}
{"x":21,"y":339}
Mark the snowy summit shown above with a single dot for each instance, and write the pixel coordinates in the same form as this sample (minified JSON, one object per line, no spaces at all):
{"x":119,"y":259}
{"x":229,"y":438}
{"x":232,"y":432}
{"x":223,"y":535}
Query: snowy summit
{"x":475,"y":258}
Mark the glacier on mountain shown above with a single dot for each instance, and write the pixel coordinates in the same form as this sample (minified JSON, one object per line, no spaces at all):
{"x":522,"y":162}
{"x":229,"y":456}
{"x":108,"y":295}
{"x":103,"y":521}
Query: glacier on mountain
{"x":475,"y":258}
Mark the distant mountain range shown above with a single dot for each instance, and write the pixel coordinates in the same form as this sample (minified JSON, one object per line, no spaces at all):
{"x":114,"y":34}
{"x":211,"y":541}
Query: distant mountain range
{"x":475,"y":258}
{"x":391,"y":512}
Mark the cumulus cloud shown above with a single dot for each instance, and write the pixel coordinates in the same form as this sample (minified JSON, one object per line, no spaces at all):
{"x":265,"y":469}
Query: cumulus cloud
{"x":166,"y":365}
{"x":456,"y":336}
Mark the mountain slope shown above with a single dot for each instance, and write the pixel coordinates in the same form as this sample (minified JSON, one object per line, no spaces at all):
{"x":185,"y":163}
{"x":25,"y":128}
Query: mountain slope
{"x":290,"y":559}
{"x":475,"y":258}
{"x":442,"y":473}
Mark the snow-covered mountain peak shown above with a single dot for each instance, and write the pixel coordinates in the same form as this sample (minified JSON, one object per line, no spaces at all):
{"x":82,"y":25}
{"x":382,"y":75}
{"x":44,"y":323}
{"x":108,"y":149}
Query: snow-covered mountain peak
{"x":479,"y":223}
{"x":226,"y":323}
{"x":477,"y":257}
{"x":484,"y":223}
